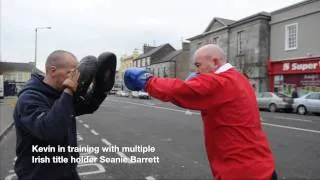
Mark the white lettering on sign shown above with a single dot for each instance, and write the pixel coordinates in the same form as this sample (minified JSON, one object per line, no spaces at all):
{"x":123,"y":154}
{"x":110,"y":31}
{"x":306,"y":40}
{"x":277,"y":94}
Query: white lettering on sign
{"x":300,"y":66}
{"x":286,"y":66}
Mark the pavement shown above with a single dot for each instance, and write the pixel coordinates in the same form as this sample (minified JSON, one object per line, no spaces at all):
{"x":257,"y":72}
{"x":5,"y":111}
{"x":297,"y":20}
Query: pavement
{"x":176,"y":135}
{"x":6,"y":110}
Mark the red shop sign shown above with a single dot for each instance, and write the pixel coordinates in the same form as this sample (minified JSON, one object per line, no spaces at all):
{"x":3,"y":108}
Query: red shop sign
{"x":311,"y":65}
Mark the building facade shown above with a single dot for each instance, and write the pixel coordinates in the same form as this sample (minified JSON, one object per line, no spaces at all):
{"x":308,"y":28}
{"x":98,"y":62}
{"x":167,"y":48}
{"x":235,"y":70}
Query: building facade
{"x":15,"y":75}
{"x":245,"y":43}
{"x":295,"y":48}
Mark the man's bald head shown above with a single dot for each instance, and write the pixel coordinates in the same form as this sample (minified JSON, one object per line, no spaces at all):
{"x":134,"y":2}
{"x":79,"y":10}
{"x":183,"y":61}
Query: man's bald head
{"x":208,"y":58}
{"x":58,"y":66}
{"x":59,"y":58}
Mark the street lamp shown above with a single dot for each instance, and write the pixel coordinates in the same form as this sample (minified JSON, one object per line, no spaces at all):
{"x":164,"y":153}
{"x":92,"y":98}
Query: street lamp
{"x":36,"y":42}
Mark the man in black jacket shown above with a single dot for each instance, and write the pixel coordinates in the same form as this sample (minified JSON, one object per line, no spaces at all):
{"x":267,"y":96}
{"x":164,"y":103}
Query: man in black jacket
{"x":45,"y":115}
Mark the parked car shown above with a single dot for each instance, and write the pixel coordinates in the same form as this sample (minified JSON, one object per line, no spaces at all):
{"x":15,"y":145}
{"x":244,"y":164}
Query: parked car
{"x":274,"y":101}
{"x":135,"y":94}
{"x":143,"y":95}
{"x":122,"y":93}
{"x":307,"y":103}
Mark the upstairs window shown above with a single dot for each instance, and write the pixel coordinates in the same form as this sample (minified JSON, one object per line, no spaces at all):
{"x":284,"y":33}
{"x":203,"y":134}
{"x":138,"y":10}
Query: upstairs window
{"x":291,"y":35}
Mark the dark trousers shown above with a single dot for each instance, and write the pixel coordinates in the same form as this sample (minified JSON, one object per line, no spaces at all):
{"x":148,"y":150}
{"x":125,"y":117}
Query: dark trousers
{"x":73,"y":176}
{"x":274,"y":176}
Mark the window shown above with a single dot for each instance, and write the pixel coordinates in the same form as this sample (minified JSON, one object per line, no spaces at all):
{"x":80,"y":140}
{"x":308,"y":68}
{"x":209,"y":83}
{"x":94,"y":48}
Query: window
{"x":20,"y":76}
{"x":240,"y":42}
{"x":313,"y":96}
{"x":291,"y":35}
{"x":139,"y":63}
{"x":199,"y":44}
{"x":267,"y":95}
{"x":148,"y":61}
{"x":215,"y":40}
{"x":143,"y":62}
{"x":158,"y":72}
{"x":164,"y":72}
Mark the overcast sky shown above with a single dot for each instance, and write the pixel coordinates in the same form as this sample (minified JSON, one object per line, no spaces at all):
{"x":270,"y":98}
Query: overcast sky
{"x":92,"y":26}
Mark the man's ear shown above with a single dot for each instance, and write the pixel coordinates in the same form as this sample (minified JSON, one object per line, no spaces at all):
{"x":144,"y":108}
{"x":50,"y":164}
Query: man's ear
{"x":52,"y":69}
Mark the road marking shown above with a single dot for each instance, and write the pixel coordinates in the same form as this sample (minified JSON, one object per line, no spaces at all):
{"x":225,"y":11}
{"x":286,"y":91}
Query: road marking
{"x":157,"y":107}
{"x":268,"y":124}
{"x":99,"y":167}
{"x":80,"y":121}
{"x":187,"y":112}
{"x":293,"y":119}
{"x":86,"y":125}
{"x":11,"y":171}
{"x":294,"y":128}
{"x":122,"y":155}
{"x":94,"y":132}
{"x":79,"y":137}
{"x":106,"y":142}
{"x":150,"y":178}
{"x":10,"y":177}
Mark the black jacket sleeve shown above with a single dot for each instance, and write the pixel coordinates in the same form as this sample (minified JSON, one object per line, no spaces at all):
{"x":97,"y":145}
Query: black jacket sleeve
{"x":47,"y":123}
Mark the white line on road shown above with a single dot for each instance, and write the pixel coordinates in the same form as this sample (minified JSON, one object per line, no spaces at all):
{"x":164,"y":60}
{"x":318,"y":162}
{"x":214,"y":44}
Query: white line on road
{"x":122,"y":155}
{"x":289,"y":127}
{"x":292,"y":119}
{"x":157,"y":107}
{"x":86,"y":125}
{"x":100,"y":169}
{"x":150,"y":178}
{"x":80,"y":121}
{"x":106,"y":142}
{"x":11,"y":171}
{"x":94,"y":132}
{"x":10,"y":177}
{"x":268,"y":124}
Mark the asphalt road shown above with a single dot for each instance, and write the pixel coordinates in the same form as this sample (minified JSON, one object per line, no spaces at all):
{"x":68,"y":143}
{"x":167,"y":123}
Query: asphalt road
{"x":177,"y":138}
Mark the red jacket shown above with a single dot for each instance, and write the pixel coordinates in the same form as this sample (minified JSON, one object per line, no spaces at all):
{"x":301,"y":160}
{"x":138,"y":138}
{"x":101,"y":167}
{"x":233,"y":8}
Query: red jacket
{"x":236,"y":144}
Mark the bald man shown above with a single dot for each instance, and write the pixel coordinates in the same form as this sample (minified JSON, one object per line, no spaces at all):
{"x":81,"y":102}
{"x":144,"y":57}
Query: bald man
{"x":44,"y":117}
{"x":236,"y":145}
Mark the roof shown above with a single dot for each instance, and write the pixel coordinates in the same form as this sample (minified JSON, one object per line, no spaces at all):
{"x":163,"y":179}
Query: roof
{"x":293,"y":6}
{"x":231,"y":23}
{"x":225,"y":22}
{"x":15,"y":66}
{"x":168,"y":57}
{"x":152,"y":51}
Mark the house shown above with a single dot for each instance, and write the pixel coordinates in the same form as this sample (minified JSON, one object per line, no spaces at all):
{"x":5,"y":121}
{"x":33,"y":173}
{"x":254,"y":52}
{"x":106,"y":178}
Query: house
{"x":15,"y":76}
{"x":295,"y":48}
{"x":245,"y":43}
{"x":157,"y":60}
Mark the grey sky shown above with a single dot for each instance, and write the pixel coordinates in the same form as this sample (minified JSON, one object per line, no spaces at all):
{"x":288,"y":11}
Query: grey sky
{"x":92,"y":26}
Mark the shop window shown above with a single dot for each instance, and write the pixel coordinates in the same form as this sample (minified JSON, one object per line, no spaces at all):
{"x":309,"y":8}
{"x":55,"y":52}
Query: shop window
{"x":291,"y":35}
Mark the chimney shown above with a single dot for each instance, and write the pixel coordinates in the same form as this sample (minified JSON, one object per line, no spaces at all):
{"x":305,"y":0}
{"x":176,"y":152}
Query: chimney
{"x":185,"y":46}
{"x":147,"y":48}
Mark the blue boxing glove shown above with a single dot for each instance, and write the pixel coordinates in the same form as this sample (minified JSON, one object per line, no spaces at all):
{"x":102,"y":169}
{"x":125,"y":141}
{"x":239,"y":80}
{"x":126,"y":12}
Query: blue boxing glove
{"x":136,"y":78}
{"x":191,"y":76}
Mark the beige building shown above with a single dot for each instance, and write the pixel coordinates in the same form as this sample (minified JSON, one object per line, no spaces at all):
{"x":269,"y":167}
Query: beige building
{"x":15,"y":75}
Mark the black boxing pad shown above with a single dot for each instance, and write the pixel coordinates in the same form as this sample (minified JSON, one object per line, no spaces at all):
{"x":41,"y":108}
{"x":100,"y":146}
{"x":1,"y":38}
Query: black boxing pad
{"x":87,"y":68}
{"x":105,"y":75}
